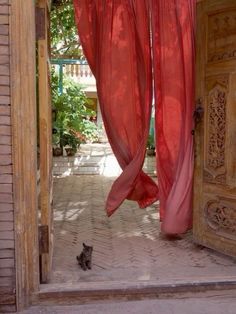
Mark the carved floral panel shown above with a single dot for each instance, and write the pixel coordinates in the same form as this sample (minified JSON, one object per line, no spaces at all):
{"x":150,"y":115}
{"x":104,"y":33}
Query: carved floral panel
{"x":221,"y":217}
{"x":222,"y":36}
{"x":214,"y":164}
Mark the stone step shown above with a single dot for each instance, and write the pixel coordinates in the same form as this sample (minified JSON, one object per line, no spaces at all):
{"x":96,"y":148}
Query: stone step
{"x":89,"y":292}
{"x":90,"y":164}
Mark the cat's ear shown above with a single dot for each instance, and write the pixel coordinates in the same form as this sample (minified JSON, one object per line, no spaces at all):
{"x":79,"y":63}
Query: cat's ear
{"x":84,"y":245}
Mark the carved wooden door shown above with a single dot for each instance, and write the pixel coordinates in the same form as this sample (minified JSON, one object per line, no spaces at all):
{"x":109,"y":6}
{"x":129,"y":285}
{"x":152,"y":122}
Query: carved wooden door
{"x":215,"y":134}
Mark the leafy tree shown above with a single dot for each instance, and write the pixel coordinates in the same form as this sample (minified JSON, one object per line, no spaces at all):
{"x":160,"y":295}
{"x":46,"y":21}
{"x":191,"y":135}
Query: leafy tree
{"x":64,"y":38}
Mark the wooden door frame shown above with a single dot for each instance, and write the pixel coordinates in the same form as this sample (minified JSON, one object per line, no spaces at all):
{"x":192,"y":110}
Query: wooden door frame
{"x":24,"y":148}
{"x":45,"y":139}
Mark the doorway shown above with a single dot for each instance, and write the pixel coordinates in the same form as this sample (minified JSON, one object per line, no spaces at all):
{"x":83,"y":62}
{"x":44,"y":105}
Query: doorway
{"x":127,"y":246}
{"x":155,"y":250}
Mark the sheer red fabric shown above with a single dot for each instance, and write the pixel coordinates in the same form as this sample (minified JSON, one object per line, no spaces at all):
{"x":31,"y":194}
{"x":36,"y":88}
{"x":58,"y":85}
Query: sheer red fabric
{"x":115,"y":39}
{"x":173,"y":51}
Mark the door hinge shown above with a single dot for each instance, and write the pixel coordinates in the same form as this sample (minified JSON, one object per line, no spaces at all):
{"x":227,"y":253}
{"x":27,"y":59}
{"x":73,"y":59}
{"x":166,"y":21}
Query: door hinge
{"x":40,"y":23}
{"x":43,"y":239}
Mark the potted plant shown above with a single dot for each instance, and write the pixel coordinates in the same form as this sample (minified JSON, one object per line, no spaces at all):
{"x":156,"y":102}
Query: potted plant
{"x":150,"y":150}
{"x":71,"y":143}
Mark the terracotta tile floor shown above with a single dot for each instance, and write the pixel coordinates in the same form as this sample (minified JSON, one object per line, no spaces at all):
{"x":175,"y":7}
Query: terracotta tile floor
{"x":127,"y":246}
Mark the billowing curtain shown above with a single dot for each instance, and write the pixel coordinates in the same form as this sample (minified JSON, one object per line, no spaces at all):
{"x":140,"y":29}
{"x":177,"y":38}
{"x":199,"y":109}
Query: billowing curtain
{"x":173,"y":52}
{"x":115,"y":39}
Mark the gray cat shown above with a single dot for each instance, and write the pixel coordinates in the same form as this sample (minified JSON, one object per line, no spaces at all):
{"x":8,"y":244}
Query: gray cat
{"x":85,"y":257}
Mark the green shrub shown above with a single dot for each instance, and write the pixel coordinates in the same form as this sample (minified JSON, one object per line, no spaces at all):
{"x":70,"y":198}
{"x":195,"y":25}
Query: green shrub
{"x":72,"y":124}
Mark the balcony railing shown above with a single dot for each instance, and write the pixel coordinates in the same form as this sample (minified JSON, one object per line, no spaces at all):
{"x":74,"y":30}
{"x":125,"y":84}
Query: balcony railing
{"x":78,"y":70}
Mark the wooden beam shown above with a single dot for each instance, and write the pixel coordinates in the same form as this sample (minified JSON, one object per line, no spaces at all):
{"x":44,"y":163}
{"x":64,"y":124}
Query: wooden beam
{"x":24,"y":131}
{"x":45,"y":135}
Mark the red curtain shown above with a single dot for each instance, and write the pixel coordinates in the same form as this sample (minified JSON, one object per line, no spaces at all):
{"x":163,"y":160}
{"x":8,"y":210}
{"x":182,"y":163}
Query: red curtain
{"x":115,"y":39}
{"x":173,"y":51}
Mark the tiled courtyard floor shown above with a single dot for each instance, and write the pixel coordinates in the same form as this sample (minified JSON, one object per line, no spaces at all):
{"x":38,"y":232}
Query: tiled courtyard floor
{"x":127,"y":246}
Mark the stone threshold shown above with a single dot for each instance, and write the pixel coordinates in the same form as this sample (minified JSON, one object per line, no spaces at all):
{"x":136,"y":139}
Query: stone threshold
{"x":90,"y":292}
